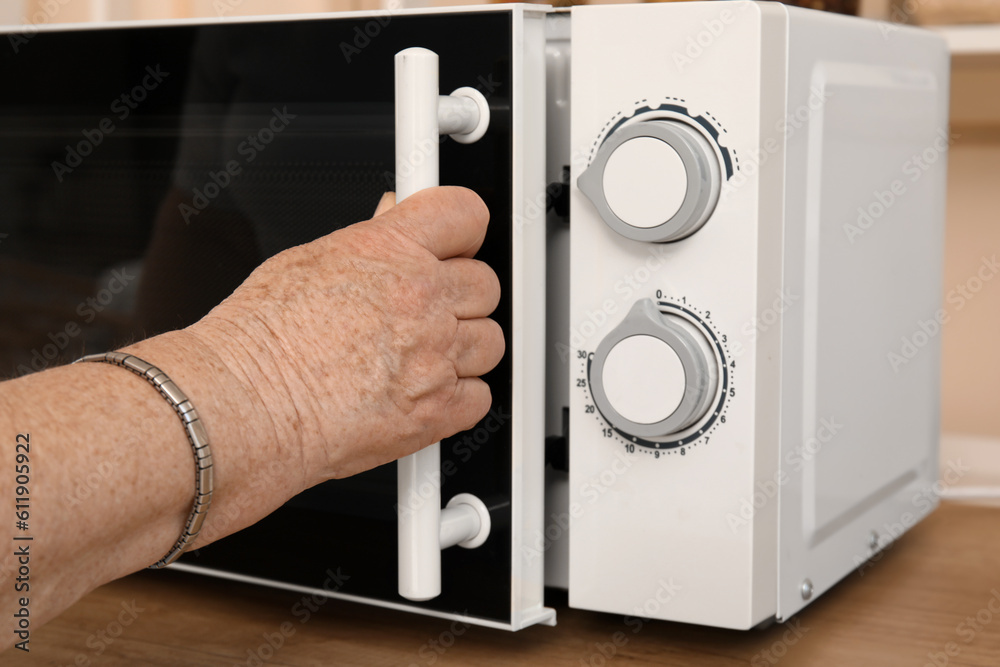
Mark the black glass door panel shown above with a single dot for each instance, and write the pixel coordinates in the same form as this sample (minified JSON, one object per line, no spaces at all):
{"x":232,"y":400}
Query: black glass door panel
{"x":146,"y":171}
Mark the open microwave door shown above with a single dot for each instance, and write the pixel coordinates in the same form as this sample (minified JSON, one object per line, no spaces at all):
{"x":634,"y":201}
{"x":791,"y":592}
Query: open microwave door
{"x":183,"y":154}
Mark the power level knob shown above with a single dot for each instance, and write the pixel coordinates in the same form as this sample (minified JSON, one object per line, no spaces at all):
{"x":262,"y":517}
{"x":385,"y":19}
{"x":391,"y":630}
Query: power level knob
{"x":655,"y":374}
{"x":656,"y":181}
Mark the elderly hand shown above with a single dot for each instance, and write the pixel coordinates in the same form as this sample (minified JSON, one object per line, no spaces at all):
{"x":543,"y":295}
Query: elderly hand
{"x":366,"y":345}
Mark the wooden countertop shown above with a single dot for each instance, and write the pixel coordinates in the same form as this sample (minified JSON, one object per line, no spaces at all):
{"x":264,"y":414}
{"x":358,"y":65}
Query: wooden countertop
{"x":908,"y":607}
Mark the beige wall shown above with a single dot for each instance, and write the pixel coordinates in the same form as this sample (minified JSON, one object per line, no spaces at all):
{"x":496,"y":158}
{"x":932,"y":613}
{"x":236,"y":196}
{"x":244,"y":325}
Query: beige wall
{"x":144,"y":9}
{"x":58,"y":11}
{"x":13,"y":11}
{"x":971,"y":339}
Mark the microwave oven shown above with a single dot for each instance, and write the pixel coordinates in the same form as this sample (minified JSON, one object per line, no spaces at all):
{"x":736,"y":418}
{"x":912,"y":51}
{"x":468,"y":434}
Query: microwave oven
{"x":718,"y":227}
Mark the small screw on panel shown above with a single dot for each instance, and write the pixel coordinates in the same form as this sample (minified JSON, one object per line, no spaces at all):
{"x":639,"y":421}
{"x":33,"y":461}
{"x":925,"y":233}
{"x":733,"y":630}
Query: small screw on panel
{"x":873,"y":540}
{"x":806,"y":589}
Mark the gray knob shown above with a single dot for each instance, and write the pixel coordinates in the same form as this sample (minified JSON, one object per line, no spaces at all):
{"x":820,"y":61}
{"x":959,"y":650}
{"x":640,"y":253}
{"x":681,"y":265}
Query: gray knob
{"x":654,"y":181}
{"x":654,"y":374}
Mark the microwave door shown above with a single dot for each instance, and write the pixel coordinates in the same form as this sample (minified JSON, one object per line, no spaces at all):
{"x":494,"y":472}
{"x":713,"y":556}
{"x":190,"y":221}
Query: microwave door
{"x":146,"y":170}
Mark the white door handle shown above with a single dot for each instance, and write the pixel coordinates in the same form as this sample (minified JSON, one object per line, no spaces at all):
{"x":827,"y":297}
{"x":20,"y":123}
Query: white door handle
{"x":422,"y":116}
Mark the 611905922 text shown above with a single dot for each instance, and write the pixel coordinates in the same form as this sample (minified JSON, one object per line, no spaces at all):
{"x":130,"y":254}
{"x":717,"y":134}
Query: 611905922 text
{"x":22,"y":540}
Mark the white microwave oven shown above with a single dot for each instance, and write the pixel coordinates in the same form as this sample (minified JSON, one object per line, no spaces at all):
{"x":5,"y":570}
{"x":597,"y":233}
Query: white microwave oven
{"x":718,"y":227}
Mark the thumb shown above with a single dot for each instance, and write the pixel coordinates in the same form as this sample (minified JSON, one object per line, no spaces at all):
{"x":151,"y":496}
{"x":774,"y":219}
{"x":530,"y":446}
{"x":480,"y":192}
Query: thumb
{"x":387,"y":201}
{"x":448,"y":221}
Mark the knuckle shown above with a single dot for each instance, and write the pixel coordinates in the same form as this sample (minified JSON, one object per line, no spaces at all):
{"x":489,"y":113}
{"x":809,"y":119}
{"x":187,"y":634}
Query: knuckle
{"x":420,"y":290}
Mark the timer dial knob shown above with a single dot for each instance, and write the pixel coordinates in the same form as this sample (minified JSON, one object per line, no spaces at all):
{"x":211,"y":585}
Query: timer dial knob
{"x":656,"y":180}
{"x":655,"y":374}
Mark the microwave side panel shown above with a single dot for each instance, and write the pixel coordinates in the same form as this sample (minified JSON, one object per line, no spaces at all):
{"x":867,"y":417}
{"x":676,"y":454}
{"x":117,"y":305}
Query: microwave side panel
{"x":863,"y":257}
{"x":652,"y":530}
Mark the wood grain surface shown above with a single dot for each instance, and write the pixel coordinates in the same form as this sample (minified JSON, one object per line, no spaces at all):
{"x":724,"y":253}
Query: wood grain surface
{"x":912,"y":605}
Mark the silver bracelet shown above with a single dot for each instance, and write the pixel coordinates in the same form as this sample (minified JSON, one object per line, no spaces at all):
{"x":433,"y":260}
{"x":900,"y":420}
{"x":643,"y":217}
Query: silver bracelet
{"x":196,"y":435}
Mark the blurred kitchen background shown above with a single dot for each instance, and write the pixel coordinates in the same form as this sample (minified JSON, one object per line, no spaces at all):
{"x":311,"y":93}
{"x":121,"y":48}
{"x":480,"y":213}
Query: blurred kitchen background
{"x":971,"y":338}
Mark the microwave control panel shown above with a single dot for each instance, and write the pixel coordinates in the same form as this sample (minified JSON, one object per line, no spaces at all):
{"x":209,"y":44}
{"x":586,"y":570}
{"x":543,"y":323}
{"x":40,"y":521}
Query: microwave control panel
{"x":663,"y":328}
{"x":660,"y":378}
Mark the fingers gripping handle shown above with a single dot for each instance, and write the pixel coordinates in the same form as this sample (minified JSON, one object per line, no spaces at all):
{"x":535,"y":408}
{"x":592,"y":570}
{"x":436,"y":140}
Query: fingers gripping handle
{"x":418,"y":475}
{"x":424,"y":528}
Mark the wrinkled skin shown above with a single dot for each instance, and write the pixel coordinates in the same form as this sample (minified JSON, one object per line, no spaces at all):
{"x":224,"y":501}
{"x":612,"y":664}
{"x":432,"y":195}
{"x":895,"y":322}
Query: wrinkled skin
{"x":366,"y":345}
